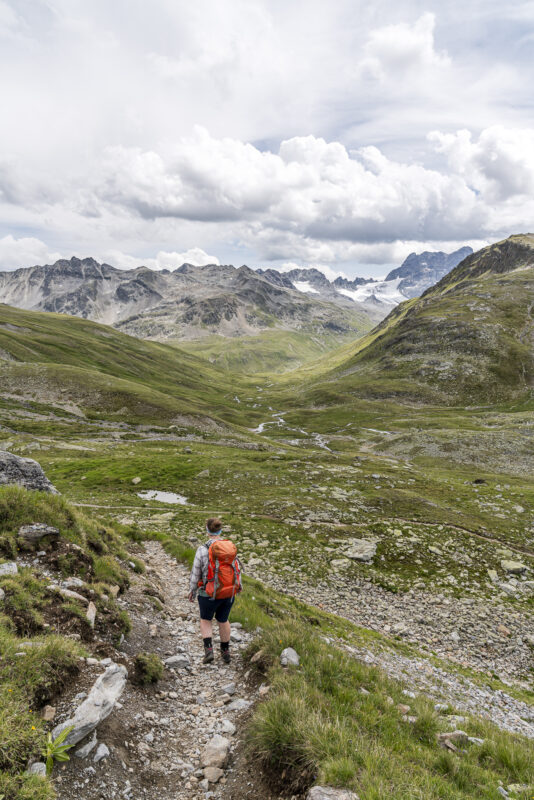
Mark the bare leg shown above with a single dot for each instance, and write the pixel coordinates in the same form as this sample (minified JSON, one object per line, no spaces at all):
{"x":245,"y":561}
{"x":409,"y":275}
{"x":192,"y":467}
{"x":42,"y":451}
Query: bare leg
{"x":224,"y":631}
{"x":206,"y":628}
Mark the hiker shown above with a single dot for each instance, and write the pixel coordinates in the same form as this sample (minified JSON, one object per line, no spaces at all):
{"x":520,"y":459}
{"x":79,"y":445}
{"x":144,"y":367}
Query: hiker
{"x":216,"y":578}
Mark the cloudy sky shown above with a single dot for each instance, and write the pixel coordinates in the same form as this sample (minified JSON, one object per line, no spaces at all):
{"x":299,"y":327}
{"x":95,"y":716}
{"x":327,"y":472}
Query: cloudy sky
{"x":268,"y":132}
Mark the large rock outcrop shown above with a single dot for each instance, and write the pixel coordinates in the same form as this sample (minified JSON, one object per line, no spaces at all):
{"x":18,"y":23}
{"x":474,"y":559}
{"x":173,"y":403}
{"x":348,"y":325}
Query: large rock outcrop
{"x":97,"y":706}
{"x":24,"y":472}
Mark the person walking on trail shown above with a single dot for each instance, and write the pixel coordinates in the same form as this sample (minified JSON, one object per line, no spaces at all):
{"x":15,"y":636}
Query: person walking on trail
{"x":216,"y":579}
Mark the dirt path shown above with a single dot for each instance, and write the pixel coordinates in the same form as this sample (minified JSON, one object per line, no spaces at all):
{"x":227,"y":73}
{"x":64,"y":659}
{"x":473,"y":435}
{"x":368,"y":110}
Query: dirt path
{"x":156,"y":735}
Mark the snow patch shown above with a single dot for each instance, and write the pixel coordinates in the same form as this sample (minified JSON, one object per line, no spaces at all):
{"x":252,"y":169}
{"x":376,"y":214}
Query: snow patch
{"x":384,"y":291}
{"x":305,"y":286}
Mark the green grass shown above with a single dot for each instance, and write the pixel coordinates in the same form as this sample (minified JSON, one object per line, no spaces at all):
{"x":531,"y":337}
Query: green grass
{"x":104,"y":372}
{"x":35,"y":663}
{"x":274,"y":351}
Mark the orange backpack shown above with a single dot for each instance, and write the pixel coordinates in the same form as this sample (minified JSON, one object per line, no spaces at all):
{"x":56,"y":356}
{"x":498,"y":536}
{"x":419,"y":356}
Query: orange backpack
{"x":224,"y":571}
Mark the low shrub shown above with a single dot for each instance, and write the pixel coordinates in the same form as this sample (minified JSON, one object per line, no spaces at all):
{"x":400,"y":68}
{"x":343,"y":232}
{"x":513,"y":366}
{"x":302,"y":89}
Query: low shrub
{"x":148,"y":668}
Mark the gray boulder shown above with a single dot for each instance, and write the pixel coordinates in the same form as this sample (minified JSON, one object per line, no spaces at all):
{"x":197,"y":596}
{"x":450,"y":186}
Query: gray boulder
{"x":37,"y":531}
{"x":24,"y":472}
{"x":361,"y":550}
{"x":8,"y":568}
{"x":97,"y":706}
{"x":514,"y":567}
{"x":178,"y":661}
{"x":289,"y":657}
{"x":329,"y":793}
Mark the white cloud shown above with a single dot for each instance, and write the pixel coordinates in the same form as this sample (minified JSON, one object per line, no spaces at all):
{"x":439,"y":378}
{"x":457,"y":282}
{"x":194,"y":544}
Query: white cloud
{"x":163,"y":260}
{"x":318,"y":117}
{"x":398,"y":51}
{"x":24,"y":252}
{"x":500,"y":164}
{"x":310,"y":189}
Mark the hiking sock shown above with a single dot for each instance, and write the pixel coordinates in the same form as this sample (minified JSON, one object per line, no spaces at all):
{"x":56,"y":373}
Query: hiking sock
{"x":225,"y":646}
{"x":207,"y":642}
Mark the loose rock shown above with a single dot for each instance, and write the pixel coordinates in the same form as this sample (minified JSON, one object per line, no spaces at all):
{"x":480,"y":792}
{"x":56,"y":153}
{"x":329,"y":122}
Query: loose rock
{"x":289,"y":657}
{"x":329,"y":793}
{"x":361,"y":550}
{"x":98,"y":705}
{"x":216,"y":752}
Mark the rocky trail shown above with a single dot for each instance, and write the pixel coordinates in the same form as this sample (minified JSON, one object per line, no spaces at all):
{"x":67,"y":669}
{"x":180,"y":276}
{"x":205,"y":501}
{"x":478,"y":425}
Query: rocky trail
{"x":180,"y":739}
{"x":177,"y":738}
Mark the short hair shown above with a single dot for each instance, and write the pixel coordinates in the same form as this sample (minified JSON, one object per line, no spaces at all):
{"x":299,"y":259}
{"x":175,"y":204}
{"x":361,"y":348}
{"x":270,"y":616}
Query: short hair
{"x":214,"y":525}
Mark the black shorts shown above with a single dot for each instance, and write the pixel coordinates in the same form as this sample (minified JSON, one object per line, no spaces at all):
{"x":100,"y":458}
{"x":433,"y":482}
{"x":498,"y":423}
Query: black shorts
{"x":221,"y":608}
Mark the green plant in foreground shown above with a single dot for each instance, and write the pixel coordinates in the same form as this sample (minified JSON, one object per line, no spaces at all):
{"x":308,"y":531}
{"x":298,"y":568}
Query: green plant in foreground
{"x":148,"y":668}
{"x":55,"y":750}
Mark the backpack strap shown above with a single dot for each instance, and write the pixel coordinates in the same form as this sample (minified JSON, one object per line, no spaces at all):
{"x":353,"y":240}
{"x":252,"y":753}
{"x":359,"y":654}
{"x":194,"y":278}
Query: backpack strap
{"x":207,"y":546}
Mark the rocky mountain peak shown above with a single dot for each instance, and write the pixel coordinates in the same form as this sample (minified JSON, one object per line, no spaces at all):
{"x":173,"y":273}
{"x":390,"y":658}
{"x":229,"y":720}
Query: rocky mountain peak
{"x":500,"y":258}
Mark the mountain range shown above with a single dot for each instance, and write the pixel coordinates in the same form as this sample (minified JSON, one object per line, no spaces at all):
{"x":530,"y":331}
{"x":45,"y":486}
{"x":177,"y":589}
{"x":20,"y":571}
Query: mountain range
{"x":194,"y":302}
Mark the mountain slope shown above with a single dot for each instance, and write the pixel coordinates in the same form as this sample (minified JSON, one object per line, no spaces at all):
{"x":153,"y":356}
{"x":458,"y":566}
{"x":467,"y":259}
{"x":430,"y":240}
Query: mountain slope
{"x":469,"y":339}
{"x":74,"y":363}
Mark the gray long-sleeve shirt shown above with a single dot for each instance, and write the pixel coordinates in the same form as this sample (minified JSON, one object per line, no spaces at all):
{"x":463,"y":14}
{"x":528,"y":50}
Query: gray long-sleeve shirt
{"x":199,"y":570}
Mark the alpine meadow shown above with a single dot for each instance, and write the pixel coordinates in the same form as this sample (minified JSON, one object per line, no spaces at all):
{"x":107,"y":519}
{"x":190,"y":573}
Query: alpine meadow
{"x":343,"y":396}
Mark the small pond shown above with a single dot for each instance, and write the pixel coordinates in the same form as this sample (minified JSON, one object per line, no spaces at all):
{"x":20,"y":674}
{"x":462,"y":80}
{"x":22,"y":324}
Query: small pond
{"x":163,"y":497}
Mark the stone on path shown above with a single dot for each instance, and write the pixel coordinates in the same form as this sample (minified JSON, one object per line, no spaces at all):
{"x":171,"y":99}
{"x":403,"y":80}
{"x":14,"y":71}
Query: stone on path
{"x":238,"y":705}
{"x":97,"y":707}
{"x":361,"y":550}
{"x":177,"y":661}
{"x":85,"y":749}
{"x":8,"y":568}
{"x":228,"y":727}
{"x":329,"y":793}
{"x":289,"y":657}
{"x":213,"y":774}
{"x":216,"y":752}
{"x":24,"y":472}
{"x":101,"y":752}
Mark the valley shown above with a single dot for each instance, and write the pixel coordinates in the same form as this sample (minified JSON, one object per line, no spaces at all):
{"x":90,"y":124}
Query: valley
{"x":381,"y":496}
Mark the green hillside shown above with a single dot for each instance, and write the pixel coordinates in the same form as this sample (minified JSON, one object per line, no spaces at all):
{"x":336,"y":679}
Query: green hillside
{"x":467,"y":340}
{"x":271,"y":351}
{"x":59,"y":360}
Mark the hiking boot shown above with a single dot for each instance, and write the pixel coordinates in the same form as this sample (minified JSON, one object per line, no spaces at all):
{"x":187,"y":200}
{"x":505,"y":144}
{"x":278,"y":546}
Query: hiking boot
{"x":225,"y":654}
{"x":208,"y":655}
